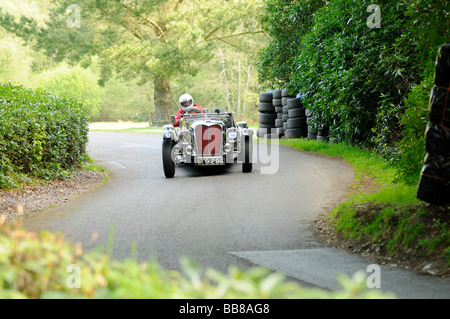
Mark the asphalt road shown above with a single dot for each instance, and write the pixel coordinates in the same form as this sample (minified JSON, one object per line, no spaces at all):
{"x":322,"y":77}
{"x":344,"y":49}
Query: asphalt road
{"x":220,"y":216}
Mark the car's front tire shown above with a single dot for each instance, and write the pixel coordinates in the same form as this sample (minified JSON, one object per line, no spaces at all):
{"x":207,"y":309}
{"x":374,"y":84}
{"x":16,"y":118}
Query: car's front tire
{"x":168,"y":163}
{"x":247,"y":165}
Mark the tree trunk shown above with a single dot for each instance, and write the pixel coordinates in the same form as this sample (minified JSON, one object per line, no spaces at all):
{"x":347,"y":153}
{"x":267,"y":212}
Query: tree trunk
{"x":163,"y":101}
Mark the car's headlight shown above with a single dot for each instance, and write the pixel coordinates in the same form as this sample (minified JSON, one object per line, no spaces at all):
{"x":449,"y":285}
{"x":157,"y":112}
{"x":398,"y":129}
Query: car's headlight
{"x":232,"y":135}
{"x":185,"y":137}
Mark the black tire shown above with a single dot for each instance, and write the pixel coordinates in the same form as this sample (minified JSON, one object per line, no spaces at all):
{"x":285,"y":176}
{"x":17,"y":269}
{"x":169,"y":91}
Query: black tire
{"x":279,"y":109}
{"x":263,"y":132}
{"x":285,"y":117}
{"x":277,"y":94}
{"x":285,"y":109}
{"x":284,"y":100}
{"x":277,"y":102}
{"x":266,"y":107}
{"x":323,"y":131}
{"x":247,"y":166}
{"x":312,"y":136}
{"x":299,"y":122}
{"x":280,"y":131}
{"x":287,"y":133}
{"x":267,"y":118}
{"x":168,"y":163}
{"x":294,"y":103}
{"x":296,"y":132}
{"x":279,"y":123}
{"x":266,"y":97}
{"x":267,"y":126}
{"x":312,"y":129}
{"x":297,"y":112}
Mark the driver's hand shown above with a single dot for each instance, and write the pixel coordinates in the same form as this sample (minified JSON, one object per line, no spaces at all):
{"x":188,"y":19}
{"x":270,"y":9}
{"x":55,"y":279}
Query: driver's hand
{"x":192,"y":109}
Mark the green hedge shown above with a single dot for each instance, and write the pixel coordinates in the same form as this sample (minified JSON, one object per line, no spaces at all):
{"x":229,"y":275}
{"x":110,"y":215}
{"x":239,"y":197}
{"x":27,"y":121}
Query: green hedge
{"x":41,"y":135}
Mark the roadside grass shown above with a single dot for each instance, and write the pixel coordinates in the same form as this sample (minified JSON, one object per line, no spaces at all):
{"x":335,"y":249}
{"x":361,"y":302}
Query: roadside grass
{"x":382,"y":209}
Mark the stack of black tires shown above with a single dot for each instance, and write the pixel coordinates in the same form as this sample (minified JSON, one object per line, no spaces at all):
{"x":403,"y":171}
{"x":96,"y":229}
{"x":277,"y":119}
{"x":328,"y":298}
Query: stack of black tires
{"x":285,"y":96}
{"x":434,"y":183}
{"x":278,"y":104}
{"x":312,"y":127}
{"x":267,"y":115}
{"x":296,"y":125}
{"x":282,"y":114}
{"x":316,"y":130}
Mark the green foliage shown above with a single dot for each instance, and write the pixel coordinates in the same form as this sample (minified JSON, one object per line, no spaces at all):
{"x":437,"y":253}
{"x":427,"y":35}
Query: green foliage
{"x":340,"y":65}
{"x":411,"y":148}
{"x":14,"y":60}
{"x":394,"y":219}
{"x":44,"y":265}
{"x":148,"y":41}
{"x":74,"y":83}
{"x":41,"y":135}
{"x":356,"y":79}
{"x":285,"y":21}
{"x":389,"y":213}
{"x":124,"y":101}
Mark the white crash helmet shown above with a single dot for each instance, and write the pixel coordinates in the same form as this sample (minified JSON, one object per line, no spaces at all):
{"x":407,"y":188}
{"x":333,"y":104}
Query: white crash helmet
{"x":186,"y":101}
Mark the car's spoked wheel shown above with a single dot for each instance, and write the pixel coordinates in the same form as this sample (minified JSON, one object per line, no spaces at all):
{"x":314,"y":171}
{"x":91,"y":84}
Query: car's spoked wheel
{"x":168,"y":163}
{"x":247,"y":166}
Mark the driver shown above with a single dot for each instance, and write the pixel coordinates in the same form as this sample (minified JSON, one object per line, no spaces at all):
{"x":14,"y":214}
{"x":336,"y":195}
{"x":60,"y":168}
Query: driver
{"x":187,"y":105}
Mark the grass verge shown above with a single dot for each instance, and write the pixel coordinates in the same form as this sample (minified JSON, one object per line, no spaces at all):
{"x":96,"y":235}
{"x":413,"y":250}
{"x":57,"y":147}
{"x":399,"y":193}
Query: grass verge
{"x":382,"y":216}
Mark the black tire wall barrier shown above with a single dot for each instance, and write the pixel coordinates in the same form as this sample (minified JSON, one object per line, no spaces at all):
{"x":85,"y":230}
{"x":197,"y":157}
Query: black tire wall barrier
{"x":434,"y":183}
{"x":285,"y":113}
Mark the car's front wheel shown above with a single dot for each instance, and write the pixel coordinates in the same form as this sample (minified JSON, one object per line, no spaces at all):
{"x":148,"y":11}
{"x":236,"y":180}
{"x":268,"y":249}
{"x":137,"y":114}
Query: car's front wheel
{"x":247,"y":165}
{"x":168,"y":163}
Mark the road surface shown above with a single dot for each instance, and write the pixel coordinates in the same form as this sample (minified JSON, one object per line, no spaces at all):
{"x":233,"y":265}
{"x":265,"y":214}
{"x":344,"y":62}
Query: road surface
{"x":220,"y":216}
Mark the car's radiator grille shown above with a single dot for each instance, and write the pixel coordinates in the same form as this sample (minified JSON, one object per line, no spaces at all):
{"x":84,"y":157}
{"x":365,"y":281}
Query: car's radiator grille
{"x":208,"y":139}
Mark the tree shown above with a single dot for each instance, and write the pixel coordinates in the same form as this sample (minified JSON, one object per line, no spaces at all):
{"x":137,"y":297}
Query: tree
{"x":285,"y":21}
{"x":75,"y":83}
{"x":153,"y":40}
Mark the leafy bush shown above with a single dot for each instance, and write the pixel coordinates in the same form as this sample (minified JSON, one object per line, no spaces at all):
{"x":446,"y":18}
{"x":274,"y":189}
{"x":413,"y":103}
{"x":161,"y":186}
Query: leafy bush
{"x":354,"y":78}
{"x":411,"y":148}
{"x":285,"y":21}
{"x":340,"y":63}
{"x":45,"y":266}
{"x":41,"y":135}
{"x":73,"y":82}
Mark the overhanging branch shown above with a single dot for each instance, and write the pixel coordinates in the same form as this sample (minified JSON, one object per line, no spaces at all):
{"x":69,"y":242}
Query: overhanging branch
{"x":158,"y":29}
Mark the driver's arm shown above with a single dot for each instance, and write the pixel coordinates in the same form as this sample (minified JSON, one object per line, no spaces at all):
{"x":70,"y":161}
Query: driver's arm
{"x":193,"y":109}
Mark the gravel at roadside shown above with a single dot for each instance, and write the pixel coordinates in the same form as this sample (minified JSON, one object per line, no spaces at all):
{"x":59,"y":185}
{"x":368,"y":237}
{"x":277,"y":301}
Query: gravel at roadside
{"x":37,"y":198}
